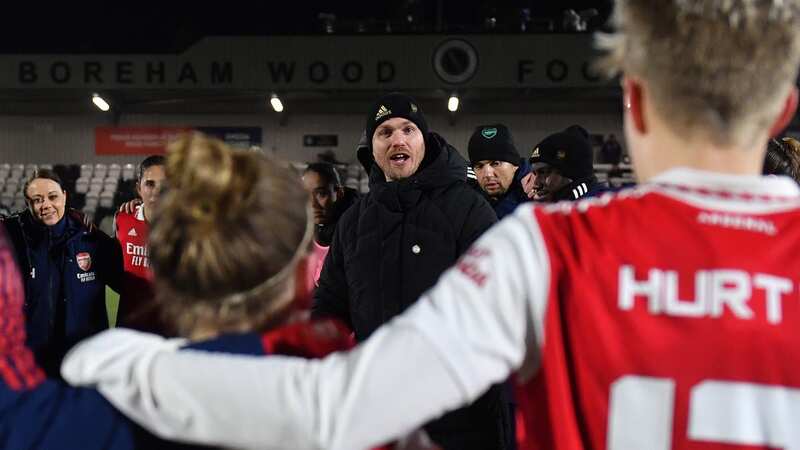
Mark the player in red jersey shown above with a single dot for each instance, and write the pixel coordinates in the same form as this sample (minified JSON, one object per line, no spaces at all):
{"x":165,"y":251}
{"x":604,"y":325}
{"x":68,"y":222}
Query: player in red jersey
{"x":136,"y":309}
{"x":663,"y":317}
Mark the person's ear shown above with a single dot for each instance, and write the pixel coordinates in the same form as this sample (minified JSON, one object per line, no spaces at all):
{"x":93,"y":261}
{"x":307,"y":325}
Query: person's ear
{"x":339,"y":191}
{"x":634,"y":98}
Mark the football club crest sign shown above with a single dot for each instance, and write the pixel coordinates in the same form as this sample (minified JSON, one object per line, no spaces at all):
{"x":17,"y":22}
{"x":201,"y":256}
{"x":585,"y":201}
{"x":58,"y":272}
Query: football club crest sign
{"x":489,"y":133}
{"x":84,"y":260}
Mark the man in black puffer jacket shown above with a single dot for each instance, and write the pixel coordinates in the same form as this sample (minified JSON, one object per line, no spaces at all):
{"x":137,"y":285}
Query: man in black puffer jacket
{"x":418,"y":218}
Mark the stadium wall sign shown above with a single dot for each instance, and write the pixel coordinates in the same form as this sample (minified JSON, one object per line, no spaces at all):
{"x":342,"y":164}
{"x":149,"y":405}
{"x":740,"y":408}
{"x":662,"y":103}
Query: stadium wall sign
{"x":324,"y":62}
{"x":154,"y":140}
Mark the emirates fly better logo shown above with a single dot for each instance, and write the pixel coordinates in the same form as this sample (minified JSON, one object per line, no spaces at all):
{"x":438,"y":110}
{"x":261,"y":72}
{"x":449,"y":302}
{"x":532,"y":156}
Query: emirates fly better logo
{"x":84,"y":261}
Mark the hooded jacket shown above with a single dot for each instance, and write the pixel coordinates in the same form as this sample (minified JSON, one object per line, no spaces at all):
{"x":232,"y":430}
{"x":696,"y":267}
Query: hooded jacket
{"x":395,"y":242}
{"x":65,"y":268}
{"x":392,"y":246}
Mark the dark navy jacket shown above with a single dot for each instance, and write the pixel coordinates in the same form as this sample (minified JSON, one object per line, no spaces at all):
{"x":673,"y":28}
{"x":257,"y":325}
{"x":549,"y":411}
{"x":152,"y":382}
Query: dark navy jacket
{"x":48,"y":414}
{"x":515,"y":195}
{"x":65,"y":269}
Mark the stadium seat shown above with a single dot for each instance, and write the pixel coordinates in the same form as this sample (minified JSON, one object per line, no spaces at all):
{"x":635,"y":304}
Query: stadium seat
{"x":95,"y":188}
{"x":46,"y":166}
{"x":82,"y":185}
{"x":86,"y":170}
{"x":92,"y":200}
{"x":7,"y":199}
{"x":16,"y":174}
{"x":114,"y":171}
{"x":129,"y":172}
{"x":107,"y":200}
{"x":110,"y":185}
{"x":100,"y":170}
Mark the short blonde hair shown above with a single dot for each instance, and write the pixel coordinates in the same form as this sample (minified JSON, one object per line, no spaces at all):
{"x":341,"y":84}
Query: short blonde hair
{"x":226,"y":237}
{"x":720,"y":67}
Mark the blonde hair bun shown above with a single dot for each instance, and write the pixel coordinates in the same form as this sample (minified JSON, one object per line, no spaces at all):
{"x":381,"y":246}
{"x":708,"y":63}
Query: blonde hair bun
{"x":228,"y":222}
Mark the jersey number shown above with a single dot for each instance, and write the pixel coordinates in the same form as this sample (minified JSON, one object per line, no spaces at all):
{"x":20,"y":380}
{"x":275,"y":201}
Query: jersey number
{"x":641,"y":411}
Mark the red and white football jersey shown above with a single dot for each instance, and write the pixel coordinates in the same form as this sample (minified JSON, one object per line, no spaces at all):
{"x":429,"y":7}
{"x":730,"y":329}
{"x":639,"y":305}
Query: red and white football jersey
{"x":663,"y":317}
{"x":137,"y":289}
{"x":672,"y":319}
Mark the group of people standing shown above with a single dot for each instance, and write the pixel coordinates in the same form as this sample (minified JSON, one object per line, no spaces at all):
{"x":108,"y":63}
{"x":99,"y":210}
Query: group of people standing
{"x":370,"y":258}
{"x":555,"y":328}
{"x":67,"y":263}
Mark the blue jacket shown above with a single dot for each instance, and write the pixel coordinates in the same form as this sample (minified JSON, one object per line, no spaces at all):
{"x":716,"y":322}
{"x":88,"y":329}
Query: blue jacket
{"x":48,"y":414}
{"x":515,"y":194}
{"x":65,"y":269}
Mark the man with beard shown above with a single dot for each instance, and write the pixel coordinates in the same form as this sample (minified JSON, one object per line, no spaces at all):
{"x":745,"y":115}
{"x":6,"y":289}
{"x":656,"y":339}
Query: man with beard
{"x":417,"y":219}
{"x":562,"y":167}
{"x":498,"y":167}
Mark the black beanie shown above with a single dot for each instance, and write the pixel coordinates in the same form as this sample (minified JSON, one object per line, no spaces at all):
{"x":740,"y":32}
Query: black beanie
{"x":393,"y":105}
{"x":492,"y":142}
{"x":569,"y":151}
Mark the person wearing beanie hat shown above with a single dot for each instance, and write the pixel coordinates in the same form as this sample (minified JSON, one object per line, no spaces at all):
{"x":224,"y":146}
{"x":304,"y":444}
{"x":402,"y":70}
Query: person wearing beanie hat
{"x":498,"y":167}
{"x":562,"y":167}
{"x":417,"y":219}
{"x":397,"y":155}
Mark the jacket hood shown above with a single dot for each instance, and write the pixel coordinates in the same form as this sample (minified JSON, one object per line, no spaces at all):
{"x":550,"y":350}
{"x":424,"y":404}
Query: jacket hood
{"x":442,"y":165}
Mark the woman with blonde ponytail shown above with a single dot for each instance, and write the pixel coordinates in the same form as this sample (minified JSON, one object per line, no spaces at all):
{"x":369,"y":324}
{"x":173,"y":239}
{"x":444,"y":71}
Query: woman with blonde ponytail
{"x":228,"y":237}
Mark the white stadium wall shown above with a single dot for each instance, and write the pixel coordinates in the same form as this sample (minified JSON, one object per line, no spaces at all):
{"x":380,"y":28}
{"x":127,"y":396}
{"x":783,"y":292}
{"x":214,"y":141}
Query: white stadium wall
{"x":70,"y":139}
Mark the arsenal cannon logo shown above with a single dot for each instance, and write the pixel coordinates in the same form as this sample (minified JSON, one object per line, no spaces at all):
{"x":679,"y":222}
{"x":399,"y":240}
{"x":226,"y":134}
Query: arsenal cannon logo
{"x":84,"y":261}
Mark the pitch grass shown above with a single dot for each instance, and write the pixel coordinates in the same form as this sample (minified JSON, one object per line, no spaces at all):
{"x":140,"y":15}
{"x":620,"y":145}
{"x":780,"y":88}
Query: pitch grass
{"x":112,"y":304}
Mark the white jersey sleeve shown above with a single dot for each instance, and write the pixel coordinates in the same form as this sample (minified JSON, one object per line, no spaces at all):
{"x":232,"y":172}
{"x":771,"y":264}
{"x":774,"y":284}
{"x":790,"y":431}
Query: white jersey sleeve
{"x":468,"y":332}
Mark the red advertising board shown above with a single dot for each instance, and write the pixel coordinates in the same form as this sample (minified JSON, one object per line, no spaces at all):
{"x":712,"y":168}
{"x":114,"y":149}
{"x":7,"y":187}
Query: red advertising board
{"x":134,"y":140}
